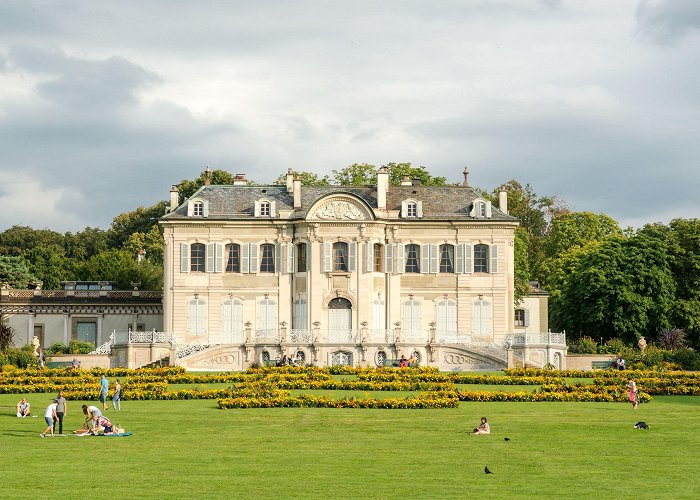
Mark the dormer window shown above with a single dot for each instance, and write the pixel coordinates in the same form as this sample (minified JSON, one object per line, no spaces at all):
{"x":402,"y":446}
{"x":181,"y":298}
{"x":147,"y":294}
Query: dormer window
{"x":481,"y":209}
{"x":265,"y":208}
{"x":412,"y":209}
{"x":197,"y":208}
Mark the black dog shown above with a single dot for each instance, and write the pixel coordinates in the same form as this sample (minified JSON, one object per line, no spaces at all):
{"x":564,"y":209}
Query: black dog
{"x":641,"y":425}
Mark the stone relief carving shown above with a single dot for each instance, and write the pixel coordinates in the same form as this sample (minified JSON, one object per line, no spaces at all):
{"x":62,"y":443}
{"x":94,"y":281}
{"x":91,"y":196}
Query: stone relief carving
{"x":339,"y":210}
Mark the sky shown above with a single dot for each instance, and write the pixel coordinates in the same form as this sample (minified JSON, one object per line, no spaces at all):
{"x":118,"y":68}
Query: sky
{"x":105,"y":105}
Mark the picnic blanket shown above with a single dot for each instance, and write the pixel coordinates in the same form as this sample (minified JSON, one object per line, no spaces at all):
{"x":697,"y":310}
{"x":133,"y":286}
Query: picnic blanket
{"x":123,"y":434}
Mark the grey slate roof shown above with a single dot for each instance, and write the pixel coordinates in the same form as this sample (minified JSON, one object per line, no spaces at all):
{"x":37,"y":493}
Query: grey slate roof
{"x":238,"y":202}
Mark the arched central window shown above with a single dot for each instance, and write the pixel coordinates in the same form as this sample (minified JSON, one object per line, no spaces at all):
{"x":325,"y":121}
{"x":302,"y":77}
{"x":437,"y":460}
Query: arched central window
{"x":267,"y":258}
{"x":411,"y":209}
{"x":339,"y":320}
{"x":233,"y":259}
{"x":264,"y":209}
{"x":340,"y":256}
{"x":412,"y":258}
{"x":197,"y":253}
{"x":481,"y":258}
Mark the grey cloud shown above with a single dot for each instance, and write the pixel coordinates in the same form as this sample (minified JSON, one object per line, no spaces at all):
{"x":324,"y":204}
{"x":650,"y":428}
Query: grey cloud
{"x":667,"y":21}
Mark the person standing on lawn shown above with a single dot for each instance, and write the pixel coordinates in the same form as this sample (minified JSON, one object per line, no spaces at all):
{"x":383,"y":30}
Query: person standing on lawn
{"x":117,"y":398}
{"x":61,"y":410}
{"x":50,"y":417}
{"x":104,"y":389}
{"x":633,"y":394}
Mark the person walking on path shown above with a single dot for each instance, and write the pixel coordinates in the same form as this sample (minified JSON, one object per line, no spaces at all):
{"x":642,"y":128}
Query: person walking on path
{"x":104,"y":389}
{"x":61,"y":410}
{"x":50,"y":417}
{"x":633,"y":394}
{"x":117,"y":398}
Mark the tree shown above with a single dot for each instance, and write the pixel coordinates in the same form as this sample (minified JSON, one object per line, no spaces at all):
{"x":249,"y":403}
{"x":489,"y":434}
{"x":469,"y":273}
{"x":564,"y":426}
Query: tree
{"x":14,"y":271}
{"x":522,"y":270}
{"x":365,"y":174}
{"x":121,"y":267}
{"x":357,"y":174}
{"x":50,"y":265}
{"x":151,"y":242}
{"x":218,"y":177}
{"x":620,"y":287}
{"x":397,"y":171}
{"x":86,"y":243}
{"x":19,"y":239}
{"x":577,"y":229}
{"x":307,"y":179}
{"x":141,"y":220}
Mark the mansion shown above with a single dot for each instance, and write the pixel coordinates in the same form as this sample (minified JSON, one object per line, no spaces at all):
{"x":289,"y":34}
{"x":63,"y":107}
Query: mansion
{"x":343,"y":275}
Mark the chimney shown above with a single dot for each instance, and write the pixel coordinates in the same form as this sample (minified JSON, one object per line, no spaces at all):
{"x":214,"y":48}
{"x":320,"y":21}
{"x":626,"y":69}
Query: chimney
{"x":174,"y":197}
{"x":406,"y":181}
{"x":207,"y":176}
{"x":503,"y":200}
{"x":382,"y":187}
{"x":466,"y":174}
{"x":416,"y":181}
{"x":239,"y":180}
{"x":297,"y":192}
{"x":290,"y":180}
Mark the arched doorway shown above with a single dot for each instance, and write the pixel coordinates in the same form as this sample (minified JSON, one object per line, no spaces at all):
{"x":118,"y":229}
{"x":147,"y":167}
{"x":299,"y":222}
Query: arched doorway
{"x":340,"y":320}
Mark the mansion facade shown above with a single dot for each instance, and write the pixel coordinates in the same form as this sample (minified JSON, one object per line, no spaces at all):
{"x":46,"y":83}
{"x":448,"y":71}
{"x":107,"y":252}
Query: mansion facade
{"x":340,"y":275}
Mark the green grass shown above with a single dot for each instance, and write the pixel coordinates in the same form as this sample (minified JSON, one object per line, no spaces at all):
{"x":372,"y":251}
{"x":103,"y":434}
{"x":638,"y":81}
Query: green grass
{"x":184,"y":449}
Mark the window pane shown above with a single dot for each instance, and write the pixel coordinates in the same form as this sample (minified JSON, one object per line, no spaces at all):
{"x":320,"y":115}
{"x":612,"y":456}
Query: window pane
{"x":197,"y":257}
{"x":265,"y":208}
{"x":301,"y":258}
{"x":520,"y":317}
{"x":481,"y":259}
{"x":198,"y":209}
{"x":233,"y":264}
{"x":412,"y":259}
{"x":340,"y":256}
{"x":378,"y":258}
{"x":411,"y":210}
{"x":267,"y":258}
{"x":447,"y":257}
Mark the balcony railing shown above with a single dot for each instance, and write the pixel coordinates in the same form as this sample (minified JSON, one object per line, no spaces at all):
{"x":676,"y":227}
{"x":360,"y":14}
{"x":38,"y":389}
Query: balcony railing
{"x":547,"y":338}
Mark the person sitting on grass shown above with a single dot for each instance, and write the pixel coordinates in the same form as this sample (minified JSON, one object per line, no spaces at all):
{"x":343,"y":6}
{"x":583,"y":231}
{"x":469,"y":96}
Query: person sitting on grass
{"x":484,"y":427}
{"x":23,"y":408}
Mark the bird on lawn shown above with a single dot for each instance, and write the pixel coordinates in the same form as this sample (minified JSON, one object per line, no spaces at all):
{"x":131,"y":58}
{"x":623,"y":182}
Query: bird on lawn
{"x":506,"y":439}
{"x":487,"y":471}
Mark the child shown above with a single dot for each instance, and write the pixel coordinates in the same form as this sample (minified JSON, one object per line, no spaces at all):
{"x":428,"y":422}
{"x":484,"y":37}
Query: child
{"x":484,"y":427}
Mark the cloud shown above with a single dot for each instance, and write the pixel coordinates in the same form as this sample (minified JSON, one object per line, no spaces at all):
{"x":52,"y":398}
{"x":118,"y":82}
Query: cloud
{"x":668,"y":21}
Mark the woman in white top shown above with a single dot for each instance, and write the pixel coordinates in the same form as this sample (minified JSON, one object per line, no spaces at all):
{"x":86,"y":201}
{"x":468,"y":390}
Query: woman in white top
{"x":50,"y":417}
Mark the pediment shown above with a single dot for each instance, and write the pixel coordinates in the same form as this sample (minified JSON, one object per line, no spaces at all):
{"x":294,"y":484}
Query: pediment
{"x":339,"y":208}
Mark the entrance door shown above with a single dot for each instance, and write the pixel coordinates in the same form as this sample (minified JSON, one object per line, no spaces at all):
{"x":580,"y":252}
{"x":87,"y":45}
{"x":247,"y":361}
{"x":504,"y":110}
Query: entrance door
{"x":340,"y":320}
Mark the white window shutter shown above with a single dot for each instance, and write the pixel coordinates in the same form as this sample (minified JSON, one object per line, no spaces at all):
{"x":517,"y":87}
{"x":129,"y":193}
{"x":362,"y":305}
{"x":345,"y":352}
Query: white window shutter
{"x":486,"y":318}
{"x":494,"y":259}
{"x":190,"y":209}
{"x":218,"y":257}
{"x":459,"y":260}
{"x":209,"y":260}
{"x":404,"y":208}
{"x":245,"y":258}
{"x":468,"y":252}
{"x":527,"y":317}
{"x":192,"y":316}
{"x":290,"y":258}
{"x":308,"y":257}
{"x":184,"y":258}
{"x":434,"y":258}
{"x":253,"y":257}
{"x":273,"y":209}
{"x":389,"y":258}
{"x":278,"y":258}
{"x":261,"y":320}
{"x":476,"y":317}
{"x":452,"y":316}
{"x":257,"y":208}
{"x":327,"y":257}
{"x":226,"y":317}
{"x":352,"y":256}
{"x":400,"y":262}
{"x":369,"y":257}
{"x":419,"y":209}
{"x":205,"y":209}
{"x":488,"y":209}
{"x":425,"y":259}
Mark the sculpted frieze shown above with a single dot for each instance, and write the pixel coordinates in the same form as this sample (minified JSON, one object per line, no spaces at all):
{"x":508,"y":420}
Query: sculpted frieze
{"x":339,"y":210}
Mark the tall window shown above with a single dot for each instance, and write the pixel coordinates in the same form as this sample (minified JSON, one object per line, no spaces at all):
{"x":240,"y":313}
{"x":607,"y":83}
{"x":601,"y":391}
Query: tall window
{"x":411,"y":209}
{"x":299,"y":320}
{"x":481,"y":318}
{"x":267,"y":258}
{"x":481,"y":258}
{"x":232,"y":322}
{"x":267,"y":316}
{"x":198,"y":208}
{"x":447,"y":258}
{"x":447,"y":317}
{"x":197,"y":316}
{"x":264,"y":209}
{"x":301,"y":257}
{"x":520,"y":317}
{"x":197,"y":253}
{"x":340,"y":256}
{"x":412,"y":258}
{"x":412,"y":319}
{"x":378,"y":258}
{"x":233,"y":262}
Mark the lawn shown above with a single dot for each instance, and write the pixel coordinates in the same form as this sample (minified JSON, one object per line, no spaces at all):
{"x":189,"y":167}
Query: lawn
{"x":183,"y":449}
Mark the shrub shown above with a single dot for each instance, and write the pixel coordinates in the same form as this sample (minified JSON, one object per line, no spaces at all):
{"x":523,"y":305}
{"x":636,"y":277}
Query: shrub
{"x":612,"y":346}
{"x":6,"y":335}
{"x":687,"y":358}
{"x":20,"y":357}
{"x":80,"y":347}
{"x":672,"y":339}
{"x":584,"y":345}
{"x":57,"y":348}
